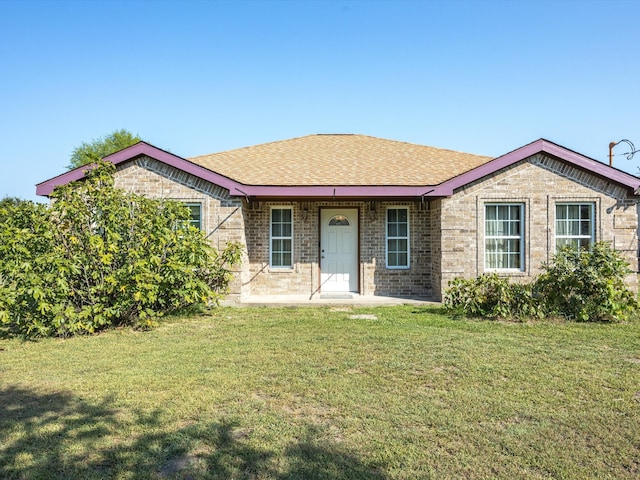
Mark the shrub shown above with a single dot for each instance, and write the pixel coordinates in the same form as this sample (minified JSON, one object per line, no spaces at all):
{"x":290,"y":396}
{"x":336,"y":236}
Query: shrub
{"x":587,"y":285}
{"x":99,"y":257}
{"x":491,"y":296}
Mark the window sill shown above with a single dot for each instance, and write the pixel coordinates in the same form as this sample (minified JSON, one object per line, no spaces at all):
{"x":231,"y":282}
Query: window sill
{"x":281,"y":270}
{"x":509,"y":272}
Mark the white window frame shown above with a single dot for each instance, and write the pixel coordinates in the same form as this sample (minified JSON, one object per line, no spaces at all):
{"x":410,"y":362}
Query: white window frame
{"x":520,"y":237}
{"x":592,"y":220}
{"x":196,"y":223}
{"x":279,"y":237}
{"x":397,"y":237}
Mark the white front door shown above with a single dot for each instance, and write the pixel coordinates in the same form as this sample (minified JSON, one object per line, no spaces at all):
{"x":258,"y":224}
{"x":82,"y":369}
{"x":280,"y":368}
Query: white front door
{"x":339,"y":250}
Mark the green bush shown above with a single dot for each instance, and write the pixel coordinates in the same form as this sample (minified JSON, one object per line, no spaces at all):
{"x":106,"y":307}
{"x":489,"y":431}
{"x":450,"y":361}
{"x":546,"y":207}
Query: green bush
{"x":585,"y":285}
{"x":491,"y":296}
{"x":100,"y":257}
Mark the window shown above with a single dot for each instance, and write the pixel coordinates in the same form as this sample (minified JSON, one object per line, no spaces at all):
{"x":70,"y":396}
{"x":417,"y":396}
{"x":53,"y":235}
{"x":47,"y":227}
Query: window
{"x":397,"y":238}
{"x":574,"y":225}
{"x":339,"y":220}
{"x":281,"y":238}
{"x":504,"y":239}
{"x":195,"y":215}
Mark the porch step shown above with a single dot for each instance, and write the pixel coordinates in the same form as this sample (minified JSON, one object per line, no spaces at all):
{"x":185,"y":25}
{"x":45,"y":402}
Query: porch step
{"x":336,"y":296}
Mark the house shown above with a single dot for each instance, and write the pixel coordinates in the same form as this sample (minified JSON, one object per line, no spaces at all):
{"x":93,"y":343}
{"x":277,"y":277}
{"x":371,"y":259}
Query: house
{"x":325,"y":215}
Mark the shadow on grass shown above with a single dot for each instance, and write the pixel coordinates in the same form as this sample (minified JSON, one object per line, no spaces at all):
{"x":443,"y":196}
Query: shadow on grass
{"x":435,"y":309}
{"x":56,"y":435}
{"x":7,"y":333}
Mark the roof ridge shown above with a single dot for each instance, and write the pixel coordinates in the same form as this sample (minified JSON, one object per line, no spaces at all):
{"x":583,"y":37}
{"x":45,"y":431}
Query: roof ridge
{"x":412,"y":144}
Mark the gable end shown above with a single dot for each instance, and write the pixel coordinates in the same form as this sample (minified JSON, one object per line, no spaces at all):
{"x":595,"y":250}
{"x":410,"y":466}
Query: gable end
{"x":568,"y":157}
{"x":557,"y":167}
{"x":129,"y":174}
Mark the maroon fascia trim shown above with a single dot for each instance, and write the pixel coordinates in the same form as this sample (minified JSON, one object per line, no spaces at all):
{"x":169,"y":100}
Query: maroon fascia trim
{"x":328,"y":191}
{"x":139,"y":149}
{"x":618,"y":176}
{"x":341,"y":191}
{"x":235,"y":188}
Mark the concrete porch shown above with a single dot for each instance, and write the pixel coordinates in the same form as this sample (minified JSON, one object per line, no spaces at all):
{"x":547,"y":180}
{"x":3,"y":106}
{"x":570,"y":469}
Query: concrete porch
{"x":351,"y":299}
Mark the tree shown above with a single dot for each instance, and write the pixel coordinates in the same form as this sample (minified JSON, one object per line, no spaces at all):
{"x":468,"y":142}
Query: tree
{"x":6,"y":204}
{"x":6,"y":201}
{"x":99,"y":256}
{"x":99,"y":148}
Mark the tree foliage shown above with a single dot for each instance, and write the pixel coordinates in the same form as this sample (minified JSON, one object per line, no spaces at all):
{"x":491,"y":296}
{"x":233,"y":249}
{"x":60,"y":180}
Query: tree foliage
{"x":99,"y":148}
{"x":100,"y":257}
{"x":10,"y":201}
{"x":584,"y":285}
{"x":7,"y":203}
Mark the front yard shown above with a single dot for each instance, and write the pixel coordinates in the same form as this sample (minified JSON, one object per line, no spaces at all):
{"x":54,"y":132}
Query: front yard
{"x":325,"y":393}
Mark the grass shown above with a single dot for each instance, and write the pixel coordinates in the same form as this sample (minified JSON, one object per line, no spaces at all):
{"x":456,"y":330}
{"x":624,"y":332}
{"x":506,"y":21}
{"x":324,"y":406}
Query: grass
{"x":313,"y":393}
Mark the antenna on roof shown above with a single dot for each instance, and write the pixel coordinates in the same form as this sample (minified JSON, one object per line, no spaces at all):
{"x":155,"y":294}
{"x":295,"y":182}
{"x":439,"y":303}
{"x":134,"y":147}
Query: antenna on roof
{"x":628,"y":154}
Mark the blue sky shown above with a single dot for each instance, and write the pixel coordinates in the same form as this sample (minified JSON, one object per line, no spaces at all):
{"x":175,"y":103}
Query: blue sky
{"x":197,"y":77}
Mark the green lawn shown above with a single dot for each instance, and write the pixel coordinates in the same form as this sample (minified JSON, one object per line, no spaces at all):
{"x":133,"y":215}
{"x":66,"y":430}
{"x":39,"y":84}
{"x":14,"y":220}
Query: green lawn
{"x":313,"y":393}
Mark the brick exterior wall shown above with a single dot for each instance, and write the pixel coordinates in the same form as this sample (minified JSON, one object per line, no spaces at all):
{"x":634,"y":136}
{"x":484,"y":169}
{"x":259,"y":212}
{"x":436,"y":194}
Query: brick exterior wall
{"x":304,"y":277}
{"x":446,"y":235}
{"x":222,"y":216}
{"x":538,"y":183}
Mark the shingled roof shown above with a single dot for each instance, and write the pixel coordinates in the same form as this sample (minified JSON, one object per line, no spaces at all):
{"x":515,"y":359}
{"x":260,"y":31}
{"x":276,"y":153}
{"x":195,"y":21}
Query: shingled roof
{"x":346,"y":166}
{"x":330,"y":159}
